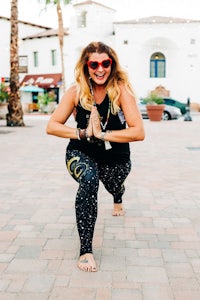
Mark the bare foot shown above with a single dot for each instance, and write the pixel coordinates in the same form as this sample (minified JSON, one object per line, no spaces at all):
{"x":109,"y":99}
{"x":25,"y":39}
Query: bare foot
{"x":87,"y":263}
{"x":118,"y":210}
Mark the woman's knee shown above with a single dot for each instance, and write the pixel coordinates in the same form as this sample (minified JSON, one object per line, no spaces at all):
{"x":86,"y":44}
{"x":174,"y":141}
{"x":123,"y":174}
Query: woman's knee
{"x":89,"y":177}
{"x":82,"y":168}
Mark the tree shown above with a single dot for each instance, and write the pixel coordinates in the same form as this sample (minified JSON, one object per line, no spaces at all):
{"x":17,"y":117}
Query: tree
{"x":15,"y":112}
{"x":60,"y":32}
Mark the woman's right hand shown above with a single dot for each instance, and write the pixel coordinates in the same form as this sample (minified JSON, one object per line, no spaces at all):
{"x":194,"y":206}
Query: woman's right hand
{"x":89,"y":128}
{"x":96,"y":125}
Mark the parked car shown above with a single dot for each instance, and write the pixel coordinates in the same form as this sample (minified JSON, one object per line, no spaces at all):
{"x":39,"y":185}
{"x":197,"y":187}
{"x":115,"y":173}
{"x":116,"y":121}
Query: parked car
{"x":175,"y":103}
{"x":170,"y":112}
{"x":172,"y":102}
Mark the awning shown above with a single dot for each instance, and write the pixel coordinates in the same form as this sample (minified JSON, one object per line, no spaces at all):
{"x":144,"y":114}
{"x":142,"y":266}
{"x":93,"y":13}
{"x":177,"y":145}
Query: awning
{"x":43,"y":80}
{"x":31,"y":88}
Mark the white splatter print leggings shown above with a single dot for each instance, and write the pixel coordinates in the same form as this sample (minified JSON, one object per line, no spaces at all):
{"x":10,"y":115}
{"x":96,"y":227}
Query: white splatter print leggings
{"x":88,"y":173}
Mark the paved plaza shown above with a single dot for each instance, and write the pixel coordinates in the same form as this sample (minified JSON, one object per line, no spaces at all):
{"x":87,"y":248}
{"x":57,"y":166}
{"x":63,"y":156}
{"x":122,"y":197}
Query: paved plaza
{"x":152,"y":253}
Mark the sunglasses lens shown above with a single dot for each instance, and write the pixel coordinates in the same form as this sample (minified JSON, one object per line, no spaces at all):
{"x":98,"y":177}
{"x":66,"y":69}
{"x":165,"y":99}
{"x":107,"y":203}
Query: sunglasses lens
{"x":93,"y":65}
{"x":106,"y":63}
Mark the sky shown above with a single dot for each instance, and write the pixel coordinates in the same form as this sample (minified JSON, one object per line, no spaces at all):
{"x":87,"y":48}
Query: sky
{"x":33,"y":11}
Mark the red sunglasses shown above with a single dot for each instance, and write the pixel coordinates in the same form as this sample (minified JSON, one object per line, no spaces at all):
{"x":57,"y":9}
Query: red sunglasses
{"x":95,"y":64}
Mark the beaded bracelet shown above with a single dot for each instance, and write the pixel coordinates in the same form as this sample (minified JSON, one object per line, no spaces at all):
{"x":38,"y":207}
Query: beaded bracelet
{"x":87,"y":136}
{"x":102,"y":136}
{"x":78,"y":133}
{"x":81,"y":134}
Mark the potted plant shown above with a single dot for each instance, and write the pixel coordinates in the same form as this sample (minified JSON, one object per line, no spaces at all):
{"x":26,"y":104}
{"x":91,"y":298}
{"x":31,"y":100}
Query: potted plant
{"x":47,"y":102}
{"x":155,"y":107}
{"x":4,"y":94}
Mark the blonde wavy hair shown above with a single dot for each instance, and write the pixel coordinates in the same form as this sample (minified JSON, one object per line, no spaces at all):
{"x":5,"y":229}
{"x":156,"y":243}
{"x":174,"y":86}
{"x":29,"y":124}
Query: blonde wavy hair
{"x":117,"y":76}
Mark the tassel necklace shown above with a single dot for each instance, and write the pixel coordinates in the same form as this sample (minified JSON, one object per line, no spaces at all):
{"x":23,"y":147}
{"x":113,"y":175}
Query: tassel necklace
{"x":107,"y":117}
{"x":103,"y":126}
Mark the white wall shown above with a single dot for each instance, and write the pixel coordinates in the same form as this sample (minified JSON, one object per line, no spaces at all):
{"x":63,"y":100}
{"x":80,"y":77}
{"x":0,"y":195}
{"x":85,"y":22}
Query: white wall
{"x":24,"y":29}
{"x":173,"y":40}
{"x":43,"y":46}
{"x":4,"y":48}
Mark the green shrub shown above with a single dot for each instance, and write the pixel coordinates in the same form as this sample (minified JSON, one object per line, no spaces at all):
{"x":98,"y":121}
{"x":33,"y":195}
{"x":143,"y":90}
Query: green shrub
{"x":153,"y":99}
{"x":4,"y":92}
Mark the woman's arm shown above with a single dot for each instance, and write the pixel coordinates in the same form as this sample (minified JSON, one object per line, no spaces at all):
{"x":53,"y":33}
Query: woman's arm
{"x":134,"y":131}
{"x":56,"y":125}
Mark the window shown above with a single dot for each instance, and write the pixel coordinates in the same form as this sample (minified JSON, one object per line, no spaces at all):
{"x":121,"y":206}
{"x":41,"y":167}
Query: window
{"x":35,"y":59}
{"x":82,"y":19}
{"x":53,"y":57}
{"x":23,"y":64}
{"x":157,"y":65}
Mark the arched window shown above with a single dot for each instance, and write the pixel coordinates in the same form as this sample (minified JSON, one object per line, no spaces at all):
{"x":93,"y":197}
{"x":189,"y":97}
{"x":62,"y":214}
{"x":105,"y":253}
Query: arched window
{"x":157,"y":65}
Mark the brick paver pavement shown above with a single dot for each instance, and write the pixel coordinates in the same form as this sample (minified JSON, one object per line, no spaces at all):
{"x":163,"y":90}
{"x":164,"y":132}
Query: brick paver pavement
{"x":152,"y":253}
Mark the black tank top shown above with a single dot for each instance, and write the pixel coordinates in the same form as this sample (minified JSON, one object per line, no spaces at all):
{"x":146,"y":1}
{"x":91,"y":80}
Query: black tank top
{"x":120,"y":152}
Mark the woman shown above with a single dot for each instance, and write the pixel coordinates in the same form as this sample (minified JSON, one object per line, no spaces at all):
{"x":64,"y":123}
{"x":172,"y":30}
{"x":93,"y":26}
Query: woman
{"x":107,"y":120}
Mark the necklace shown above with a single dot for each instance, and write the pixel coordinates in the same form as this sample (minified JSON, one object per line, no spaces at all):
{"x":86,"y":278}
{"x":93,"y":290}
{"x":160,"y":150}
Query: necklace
{"x":107,"y":118}
{"x":106,"y":143}
{"x":108,"y":112}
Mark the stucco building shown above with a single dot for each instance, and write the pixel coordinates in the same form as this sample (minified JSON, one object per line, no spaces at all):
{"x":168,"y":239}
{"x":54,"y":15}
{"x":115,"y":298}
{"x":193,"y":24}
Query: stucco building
{"x":154,"y":51}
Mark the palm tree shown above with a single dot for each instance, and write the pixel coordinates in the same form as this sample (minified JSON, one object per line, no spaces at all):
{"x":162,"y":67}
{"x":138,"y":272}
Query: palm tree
{"x":60,"y":32}
{"x":15,"y":112}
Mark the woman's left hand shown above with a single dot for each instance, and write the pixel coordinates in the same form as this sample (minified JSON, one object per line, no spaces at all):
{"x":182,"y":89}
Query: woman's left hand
{"x":89,"y":128}
{"x":96,"y":125}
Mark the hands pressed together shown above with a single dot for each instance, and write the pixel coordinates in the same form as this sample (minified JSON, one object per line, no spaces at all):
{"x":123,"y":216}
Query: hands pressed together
{"x":94,"y":126}
{"x":93,"y":129}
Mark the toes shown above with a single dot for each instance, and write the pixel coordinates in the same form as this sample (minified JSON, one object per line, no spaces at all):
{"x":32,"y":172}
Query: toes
{"x":118,"y":212}
{"x":87,"y":264}
{"x":83,"y":268}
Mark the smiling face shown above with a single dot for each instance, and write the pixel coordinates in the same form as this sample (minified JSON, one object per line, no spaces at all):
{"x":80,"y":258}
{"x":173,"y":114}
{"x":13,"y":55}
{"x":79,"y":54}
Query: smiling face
{"x":102,"y":71}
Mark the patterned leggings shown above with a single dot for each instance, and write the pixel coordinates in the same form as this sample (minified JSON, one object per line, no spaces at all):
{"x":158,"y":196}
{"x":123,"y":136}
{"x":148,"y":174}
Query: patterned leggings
{"x":88,"y":173}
